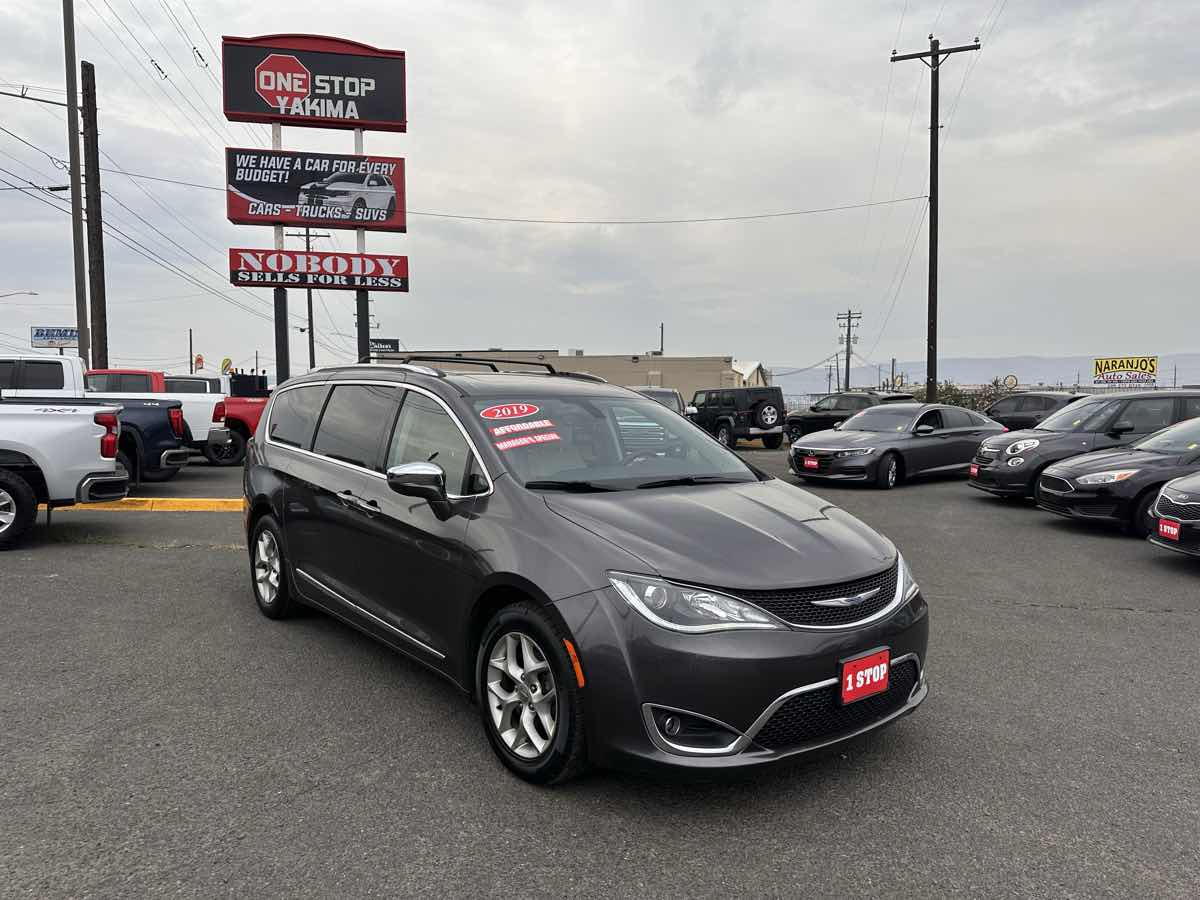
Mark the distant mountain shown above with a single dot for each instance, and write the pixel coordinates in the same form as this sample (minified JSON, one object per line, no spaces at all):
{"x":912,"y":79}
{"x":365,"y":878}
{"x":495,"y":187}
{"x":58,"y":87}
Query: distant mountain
{"x":1039,"y":371}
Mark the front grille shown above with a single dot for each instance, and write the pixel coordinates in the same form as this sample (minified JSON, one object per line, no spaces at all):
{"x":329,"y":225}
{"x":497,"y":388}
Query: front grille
{"x":1184,"y":512}
{"x":1052,"y":503}
{"x":796,"y":605}
{"x":817,"y":715}
{"x":1099,"y":510}
{"x":1054,"y":483}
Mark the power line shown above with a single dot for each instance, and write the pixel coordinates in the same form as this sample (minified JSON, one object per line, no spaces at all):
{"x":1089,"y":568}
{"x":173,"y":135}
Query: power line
{"x":895,"y":296}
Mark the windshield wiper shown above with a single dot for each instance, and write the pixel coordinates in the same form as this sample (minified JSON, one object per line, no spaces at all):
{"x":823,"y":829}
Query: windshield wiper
{"x":690,"y":480}
{"x":576,"y":487}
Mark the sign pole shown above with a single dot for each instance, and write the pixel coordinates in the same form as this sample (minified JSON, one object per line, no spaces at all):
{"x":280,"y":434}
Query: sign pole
{"x":81,"y":299}
{"x":361,"y":299}
{"x":282,"y":361}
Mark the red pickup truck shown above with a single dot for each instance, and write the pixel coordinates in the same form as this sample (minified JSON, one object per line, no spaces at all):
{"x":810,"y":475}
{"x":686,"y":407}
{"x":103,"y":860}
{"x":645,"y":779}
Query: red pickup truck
{"x":241,"y":418}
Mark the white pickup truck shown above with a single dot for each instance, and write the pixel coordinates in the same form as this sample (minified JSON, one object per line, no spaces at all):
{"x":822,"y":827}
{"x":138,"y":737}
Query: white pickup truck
{"x":57,"y":454}
{"x":66,"y":376}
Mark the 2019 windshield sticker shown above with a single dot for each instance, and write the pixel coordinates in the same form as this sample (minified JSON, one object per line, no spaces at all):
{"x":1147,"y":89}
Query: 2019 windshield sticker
{"x":510,"y":411}
{"x":501,"y":430}
{"x":526,"y":440}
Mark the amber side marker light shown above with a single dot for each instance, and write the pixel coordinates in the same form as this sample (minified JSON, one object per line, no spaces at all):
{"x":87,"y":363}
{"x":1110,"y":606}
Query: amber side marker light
{"x":574,"y":662}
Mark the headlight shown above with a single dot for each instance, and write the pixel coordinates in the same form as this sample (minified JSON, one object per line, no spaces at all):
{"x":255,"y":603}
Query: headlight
{"x":688,"y":609}
{"x":1016,"y":461}
{"x":908,"y":584}
{"x":1021,"y":446}
{"x":1107,"y":477}
{"x":858,"y":451}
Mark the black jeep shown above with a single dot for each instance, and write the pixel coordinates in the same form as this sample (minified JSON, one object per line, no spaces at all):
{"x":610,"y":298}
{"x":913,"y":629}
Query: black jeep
{"x":732,"y":413}
{"x":834,"y":408}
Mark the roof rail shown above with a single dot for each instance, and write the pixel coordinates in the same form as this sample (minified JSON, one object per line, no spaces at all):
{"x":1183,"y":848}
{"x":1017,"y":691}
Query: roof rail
{"x":481,"y":361}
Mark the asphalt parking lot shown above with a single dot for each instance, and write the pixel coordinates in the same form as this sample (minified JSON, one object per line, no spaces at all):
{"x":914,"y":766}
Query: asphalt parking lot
{"x":160,"y":736}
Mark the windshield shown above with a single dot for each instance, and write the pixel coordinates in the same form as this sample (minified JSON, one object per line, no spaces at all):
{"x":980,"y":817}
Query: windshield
{"x":667,"y":398}
{"x":559,"y":442}
{"x":880,"y":418}
{"x":1086,"y":415}
{"x":1177,"y":439}
{"x":334,"y":177}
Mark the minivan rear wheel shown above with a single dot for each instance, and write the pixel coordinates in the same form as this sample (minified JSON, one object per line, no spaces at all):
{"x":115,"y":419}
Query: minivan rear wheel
{"x":530,"y":700}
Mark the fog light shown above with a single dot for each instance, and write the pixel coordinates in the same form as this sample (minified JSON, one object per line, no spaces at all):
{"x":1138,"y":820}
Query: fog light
{"x":687,"y":732}
{"x":1016,"y":461}
{"x":671,"y":726}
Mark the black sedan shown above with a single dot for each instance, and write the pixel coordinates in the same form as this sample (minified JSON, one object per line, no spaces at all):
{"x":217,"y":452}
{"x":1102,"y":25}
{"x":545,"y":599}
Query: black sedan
{"x":1176,"y":516}
{"x":889,"y":443}
{"x":1121,"y":485}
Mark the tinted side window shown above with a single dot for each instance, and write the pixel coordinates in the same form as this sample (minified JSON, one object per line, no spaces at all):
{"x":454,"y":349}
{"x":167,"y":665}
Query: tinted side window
{"x":1191,"y":405}
{"x":355,"y":421}
{"x":294,"y":416}
{"x":130,"y":384}
{"x":957,"y":418}
{"x":97,"y":382}
{"x":1003,"y":407}
{"x":933,"y":417}
{"x":1149,"y":414}
{"x":727,"y":398}
{"x":1031,"y":404}
{"x":186,"y":386}
{"x":424,"y":433}
{"x":42,"y":376}
{"x":8,"y":374}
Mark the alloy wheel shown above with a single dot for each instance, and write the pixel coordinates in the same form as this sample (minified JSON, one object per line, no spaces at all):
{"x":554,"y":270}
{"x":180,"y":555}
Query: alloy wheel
{"x":267,"y":567}
{"x":8,"y":510}
{"x":770,"y":415}
{"x":522,"y":695}
{"x":891,"y":472}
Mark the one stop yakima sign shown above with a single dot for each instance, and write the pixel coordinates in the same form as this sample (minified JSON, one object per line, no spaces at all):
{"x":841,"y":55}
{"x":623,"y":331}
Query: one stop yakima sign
{"x":301,"y":268}
{"x":282,"y":80}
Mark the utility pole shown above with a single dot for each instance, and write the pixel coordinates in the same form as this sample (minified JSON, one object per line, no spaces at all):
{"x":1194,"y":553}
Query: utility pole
{"x":191,"y":357}
{"x":95,"y":219}
{"x":282,"y":338}
{"x":850,"y":319}
{"x":661,"y":337}
{"x":361,"y":299}
{"x":829,"y":376}
{"x":933,"y":58}
{"x":255,"y":362}
{"x":893,"y":382}
{"x":81,"y":302}
{"x":312,"y":345}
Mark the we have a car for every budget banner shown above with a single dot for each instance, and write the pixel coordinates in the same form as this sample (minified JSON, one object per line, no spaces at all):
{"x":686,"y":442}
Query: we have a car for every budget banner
{"x":301,"y":268}
{"x":284,"y":187}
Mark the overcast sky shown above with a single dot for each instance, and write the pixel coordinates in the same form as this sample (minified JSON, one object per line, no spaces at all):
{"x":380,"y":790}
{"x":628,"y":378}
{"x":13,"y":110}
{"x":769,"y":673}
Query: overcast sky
{"x":1069,"y":175}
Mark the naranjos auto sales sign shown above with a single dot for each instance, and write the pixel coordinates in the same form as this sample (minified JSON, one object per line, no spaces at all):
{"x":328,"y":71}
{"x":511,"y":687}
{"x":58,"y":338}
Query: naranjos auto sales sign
{"x":1125,"y":370}
{"x":300,"y":268}
{"x":280,"y":187}
{"x":315,"y":81}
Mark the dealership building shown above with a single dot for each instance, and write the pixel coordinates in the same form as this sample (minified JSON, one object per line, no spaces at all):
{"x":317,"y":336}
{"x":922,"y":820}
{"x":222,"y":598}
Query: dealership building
{"x":687,"y":374}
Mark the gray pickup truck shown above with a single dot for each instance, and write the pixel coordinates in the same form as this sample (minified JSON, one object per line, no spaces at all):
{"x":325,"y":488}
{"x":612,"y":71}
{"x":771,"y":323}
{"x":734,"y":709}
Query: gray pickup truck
{"x":58,"y":454}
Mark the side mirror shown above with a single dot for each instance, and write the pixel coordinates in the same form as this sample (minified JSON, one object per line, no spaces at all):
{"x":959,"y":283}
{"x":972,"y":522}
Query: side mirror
{"x":418,"y":479}
{"x":924,"y":429}
{"x":690,"y":410}
{"x":837,"y":426}
{"x":1122,"y":427}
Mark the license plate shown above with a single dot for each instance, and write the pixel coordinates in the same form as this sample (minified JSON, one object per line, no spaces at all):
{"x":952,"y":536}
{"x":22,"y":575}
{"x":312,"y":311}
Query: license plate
{"x":974,"y":470}
{"x":1168,"y":529}
{"x":865,"y":675}
{"x":811,"y":462}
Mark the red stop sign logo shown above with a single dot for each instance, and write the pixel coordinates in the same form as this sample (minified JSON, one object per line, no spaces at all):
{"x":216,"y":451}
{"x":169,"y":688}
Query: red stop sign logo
{"x":281,"y":80}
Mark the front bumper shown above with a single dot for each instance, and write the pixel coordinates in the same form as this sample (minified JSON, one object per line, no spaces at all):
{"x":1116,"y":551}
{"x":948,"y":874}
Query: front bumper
{"x":1085,"y":503}
{"x":848,"y":468}
{"x":103,"y":487}
{"x":744,"y":681}
{"x":996,"y":477}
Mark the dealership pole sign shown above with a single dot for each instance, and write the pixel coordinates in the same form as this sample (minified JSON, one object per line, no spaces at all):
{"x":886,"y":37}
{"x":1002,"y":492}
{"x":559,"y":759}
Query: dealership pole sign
{"x":323,"y":82}
{"x":385,"y":345}
{"x":281,"y":187}
{"x":53,"y":336}
{"x":309,"y":269}
{"x":1125,"y":370}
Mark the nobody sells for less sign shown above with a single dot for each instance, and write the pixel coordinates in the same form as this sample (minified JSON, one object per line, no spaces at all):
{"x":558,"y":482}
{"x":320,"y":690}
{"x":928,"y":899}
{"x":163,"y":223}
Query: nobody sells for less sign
{"x":301,"y":268}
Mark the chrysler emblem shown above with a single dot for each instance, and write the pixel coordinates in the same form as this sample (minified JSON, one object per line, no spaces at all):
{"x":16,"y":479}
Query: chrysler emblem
{"x":1182,"y":496}
{"x":848,"y":601}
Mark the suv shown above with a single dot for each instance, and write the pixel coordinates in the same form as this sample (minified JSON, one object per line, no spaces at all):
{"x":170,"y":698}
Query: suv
{"x":834,"y":408}
{"x":732,"y":413}
{"x":497,"y":528}
{"x":1009,"y":465}
{"x":1026,"y":410}
{"x":353,"y":192}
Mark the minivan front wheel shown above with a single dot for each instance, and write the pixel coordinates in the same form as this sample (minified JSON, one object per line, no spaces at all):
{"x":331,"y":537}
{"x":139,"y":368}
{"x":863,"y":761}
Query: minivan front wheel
{"x":530,"y":700}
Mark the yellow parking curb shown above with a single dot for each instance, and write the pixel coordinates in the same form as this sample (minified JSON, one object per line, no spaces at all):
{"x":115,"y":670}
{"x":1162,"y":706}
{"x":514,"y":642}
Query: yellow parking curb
{"x":164,"y":504}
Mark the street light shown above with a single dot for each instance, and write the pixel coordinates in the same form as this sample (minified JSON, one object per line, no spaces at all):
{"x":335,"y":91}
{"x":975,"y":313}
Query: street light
{"x":18,"y":293}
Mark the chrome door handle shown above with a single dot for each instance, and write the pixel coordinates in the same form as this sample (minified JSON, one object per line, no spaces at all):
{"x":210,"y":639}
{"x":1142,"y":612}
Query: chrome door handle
{"x":349,"y":498}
